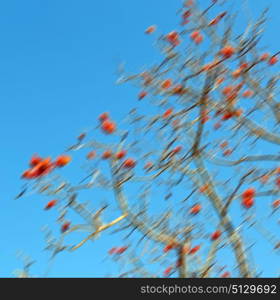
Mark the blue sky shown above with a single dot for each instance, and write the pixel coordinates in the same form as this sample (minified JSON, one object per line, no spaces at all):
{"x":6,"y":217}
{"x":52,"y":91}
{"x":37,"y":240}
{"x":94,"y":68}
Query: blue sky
{"x":58,"y":62}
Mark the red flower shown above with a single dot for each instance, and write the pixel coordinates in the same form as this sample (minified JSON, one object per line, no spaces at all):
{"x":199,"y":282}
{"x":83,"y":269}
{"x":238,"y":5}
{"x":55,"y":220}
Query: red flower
{"x":249,"y":193}
{"x":277,"y":181}
{"x":248,"y":202}
{"x":264,"y":56}
{"x":35,"y":159}
{"x":50,"y":204}
{"x":169,"y":247}
{"x":103,"y":117}
{"x":173,"y":38}
{"x":215,"y":235}
{"x":227,"y":152}
{"x":176,"y":149}
{"x":225,"y":275}
{"x":142,"y":95}
{"x":121,"y":154}
{"x":108,"y":126}
{"x":194,"y":35}
{"x":178,"y":90}
{"x":194,"y":249}
{"x":199,"y":39}
{"x":121,"y":250}
{"x":112,"y":250}
{"x":117,"y":250}
{"x":227,"y":115}
{"x":167,"y":271}
{"x":167,"y":113}
{"x":65,"y":226}
{"x":148,"y":165}
{"x":195,"y":209}
{"x":224,"y":144}
{"x":227,"y":51}
{"x":217,"y":125}
{"x":273,"y":60}
{"x":129,"y":163}
{"x":42,"y":168}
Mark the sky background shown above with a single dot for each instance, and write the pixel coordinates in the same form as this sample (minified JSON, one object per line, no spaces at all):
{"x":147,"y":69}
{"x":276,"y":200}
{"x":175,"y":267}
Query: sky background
{"x":58,"y":62}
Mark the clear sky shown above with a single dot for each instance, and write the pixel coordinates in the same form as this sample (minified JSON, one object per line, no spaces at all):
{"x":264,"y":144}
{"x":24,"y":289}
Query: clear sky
{"x":58,"y":61}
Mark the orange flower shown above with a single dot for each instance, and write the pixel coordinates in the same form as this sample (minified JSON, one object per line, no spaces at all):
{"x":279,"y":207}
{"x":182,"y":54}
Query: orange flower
{"x":108,"y":126}
{"x":236,"y":73}
{"x":203,"y":188}
{"x":188,"y":3}
{"x":219,"y":80}
{"x":178,"y":90}
{"x":276,"y":204}
{"x":227,"y":90}
{"x":107,"y":154}
{"x":248,"y":94}
{"x":227,"y":51}
{"x":264,"y":56}
{"x":28,"y":174}
{"x":238,"y":112}
{"x":209,"y":66}
{"x":151,"y":29}
{"x":244,"y":66}
{"x":62,"y":160}
{"x":264,"y":179}
{"x":227,"y":152}
{"x":224,"y":144}
{"x":91,"y":155}
{"x":166,"y":84}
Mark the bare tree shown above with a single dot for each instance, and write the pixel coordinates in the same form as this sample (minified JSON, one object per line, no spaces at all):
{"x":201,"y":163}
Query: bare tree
{"x":186,"y":173}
